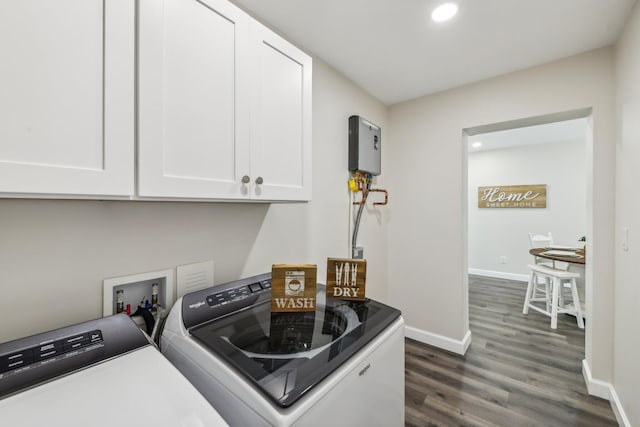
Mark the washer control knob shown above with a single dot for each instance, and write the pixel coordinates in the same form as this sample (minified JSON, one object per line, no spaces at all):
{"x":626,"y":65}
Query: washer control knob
{"x":246,"y":179}
{"x":259,"y":180}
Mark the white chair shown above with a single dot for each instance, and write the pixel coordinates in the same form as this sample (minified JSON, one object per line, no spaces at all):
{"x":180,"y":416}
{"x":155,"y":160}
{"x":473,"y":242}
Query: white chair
{"x":541,"y":241}
{"x":554,"y":304}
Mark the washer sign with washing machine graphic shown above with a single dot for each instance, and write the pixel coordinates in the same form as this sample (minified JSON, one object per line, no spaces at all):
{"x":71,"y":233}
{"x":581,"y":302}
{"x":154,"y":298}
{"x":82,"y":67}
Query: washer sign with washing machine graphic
{"x":293,"y":287}
{"x":294,"y":283}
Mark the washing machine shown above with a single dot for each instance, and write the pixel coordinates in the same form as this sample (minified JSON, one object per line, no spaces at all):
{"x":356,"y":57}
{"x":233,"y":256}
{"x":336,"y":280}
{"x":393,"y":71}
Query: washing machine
{"x":99,"y":373}
{"x":342,"y":364}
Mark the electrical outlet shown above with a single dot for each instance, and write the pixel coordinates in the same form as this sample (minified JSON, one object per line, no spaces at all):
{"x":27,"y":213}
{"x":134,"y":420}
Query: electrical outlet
{"x":358,"y":253}
{"x":503,"y":259}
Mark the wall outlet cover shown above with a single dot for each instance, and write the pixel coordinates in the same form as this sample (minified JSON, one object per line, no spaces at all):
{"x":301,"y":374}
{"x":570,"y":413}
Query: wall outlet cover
{"x":358,"y":253}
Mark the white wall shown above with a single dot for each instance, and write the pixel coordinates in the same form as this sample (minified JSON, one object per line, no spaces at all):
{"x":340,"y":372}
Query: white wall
{"x":627,"y":285}
{"x":54,"y":254}
{"x":428,"y":183}
{"x":503,"y":232}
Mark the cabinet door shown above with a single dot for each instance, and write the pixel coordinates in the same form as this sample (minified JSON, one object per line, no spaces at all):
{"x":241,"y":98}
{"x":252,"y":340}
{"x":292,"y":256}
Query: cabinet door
{"x":280,"y":118}
{"x":193,"y":112}
{"x":67,"y":97}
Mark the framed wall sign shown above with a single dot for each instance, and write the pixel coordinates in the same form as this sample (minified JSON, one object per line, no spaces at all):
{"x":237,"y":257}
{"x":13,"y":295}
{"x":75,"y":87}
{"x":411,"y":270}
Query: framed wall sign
{"x":513,"y":196}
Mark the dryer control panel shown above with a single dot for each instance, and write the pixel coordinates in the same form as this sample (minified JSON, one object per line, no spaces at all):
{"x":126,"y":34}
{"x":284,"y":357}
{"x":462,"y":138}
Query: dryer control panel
{"x":33,"y":360}
{"x":13,"y":362}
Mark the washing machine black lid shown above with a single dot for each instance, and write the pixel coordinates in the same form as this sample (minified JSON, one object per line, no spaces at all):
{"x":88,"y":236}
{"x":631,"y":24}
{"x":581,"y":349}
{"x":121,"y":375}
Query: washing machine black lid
{"x":286,"y":354}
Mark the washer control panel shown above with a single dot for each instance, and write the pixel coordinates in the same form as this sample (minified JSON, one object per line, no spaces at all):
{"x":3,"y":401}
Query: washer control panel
{"x":236,"y":294}
{"x":208,"y":304}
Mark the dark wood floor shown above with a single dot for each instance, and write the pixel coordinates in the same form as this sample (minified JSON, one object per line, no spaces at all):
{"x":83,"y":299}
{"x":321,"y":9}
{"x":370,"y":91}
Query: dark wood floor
{"x":517,"y":371}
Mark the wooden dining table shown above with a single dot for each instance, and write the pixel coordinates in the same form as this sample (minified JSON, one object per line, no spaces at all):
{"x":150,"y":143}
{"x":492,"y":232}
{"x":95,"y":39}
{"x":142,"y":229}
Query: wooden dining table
{"x":554,"y":254}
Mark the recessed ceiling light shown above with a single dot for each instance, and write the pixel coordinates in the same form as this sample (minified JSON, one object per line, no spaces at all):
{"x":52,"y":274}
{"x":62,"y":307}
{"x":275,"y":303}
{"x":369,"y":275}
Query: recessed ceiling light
{"x":444,"y":12}
{"x":477,"y":144}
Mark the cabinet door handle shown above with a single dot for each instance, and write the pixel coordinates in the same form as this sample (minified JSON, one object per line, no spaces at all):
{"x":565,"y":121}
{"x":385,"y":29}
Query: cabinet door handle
{"x":246,"y":179}
{"x":259,"y":180}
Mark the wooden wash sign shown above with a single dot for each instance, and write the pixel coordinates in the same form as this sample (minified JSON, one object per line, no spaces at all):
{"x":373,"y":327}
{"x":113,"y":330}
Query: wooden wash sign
{"x":293,"y":287}
{"x":346,"y":278}
{"x":513,"y":196}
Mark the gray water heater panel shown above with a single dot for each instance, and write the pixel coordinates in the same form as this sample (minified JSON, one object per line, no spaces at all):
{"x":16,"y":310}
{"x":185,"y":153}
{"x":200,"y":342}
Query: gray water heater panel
{"x":365,"y":146}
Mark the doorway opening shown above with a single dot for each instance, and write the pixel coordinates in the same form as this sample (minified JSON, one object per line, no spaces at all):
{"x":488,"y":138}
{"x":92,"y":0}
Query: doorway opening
{"x":551,"y":151}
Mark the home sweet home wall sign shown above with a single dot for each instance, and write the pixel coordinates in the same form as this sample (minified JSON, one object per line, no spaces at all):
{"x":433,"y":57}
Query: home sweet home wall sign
{"x":513,"y":196}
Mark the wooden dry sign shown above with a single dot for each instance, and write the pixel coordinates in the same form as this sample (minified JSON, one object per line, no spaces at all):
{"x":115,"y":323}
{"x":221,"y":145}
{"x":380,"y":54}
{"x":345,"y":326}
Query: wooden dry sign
{"x":293,"y":287}
{"x":513,"y":196}
{"x":346,"y":278}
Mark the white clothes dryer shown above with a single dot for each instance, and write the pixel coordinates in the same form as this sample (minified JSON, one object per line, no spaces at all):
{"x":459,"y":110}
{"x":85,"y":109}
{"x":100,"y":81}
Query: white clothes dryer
{"x":101,"y":373}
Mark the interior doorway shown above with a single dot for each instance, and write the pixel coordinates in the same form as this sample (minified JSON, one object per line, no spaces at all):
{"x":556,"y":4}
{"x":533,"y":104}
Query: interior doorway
{"x":552,"y":150}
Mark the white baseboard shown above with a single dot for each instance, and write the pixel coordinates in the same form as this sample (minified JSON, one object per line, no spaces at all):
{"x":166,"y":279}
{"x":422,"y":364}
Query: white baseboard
{"x":606,"y":391}
{"x":499,"y":274}
{"x":445,"y":343}
{"x":621,"y":417}
{"x":595,"y":387}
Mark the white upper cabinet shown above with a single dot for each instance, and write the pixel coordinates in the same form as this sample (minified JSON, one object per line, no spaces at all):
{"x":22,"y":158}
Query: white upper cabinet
{"x":193,"y":140}
{"x":224,"y":106}
{"x":280,"y":118}
{"x":67,"y":98}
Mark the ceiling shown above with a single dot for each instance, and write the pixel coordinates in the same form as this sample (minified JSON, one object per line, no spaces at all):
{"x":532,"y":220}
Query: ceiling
{"x":393,"y":50}
{"x":565,"y":131}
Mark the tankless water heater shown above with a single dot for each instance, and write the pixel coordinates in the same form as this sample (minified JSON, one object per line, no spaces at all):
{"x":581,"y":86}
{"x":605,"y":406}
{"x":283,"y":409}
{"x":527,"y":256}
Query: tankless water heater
{"x":364,"y":146}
